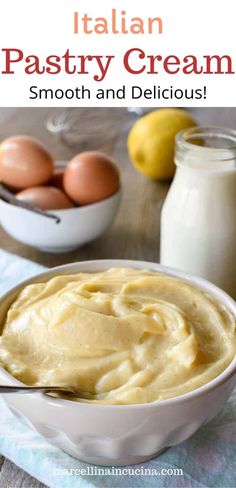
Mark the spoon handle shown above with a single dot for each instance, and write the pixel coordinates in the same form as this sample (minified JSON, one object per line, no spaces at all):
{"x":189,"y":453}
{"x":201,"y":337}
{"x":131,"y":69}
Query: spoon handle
{"x":47,"y":390}
{"x":10,"y":198}
{"x":29,"y":389}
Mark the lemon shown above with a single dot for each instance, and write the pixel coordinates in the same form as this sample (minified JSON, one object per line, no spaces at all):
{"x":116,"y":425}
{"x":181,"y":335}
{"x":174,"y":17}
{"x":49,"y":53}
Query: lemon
{"x":151,"y":141}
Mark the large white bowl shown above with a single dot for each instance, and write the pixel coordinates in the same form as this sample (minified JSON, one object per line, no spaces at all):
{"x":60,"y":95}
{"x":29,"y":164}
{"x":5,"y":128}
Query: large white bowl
{"x":119,"y":434}
{"x":78,"y":225}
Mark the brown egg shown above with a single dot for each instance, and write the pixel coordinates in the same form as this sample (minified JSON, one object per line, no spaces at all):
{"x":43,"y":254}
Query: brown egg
{"x":57,"y":179}
{"x":45,"y":198}
{"x":90,"y":177}
{"x":24,"y":162}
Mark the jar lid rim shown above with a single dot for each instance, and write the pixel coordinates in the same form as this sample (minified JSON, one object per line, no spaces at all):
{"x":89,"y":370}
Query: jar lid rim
{"x":208,"y":131}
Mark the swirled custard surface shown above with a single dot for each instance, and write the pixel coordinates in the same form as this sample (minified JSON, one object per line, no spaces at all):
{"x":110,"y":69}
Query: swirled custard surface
{"x":129,"y":336}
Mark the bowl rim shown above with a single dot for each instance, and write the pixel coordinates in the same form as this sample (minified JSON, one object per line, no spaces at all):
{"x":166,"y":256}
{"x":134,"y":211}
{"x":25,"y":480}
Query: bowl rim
{"x":80,"y":209}
{"x":201,"y":283}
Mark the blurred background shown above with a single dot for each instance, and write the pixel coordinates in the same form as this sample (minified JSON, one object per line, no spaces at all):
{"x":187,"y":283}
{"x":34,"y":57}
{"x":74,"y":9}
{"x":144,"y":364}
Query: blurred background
{"x":65,"y":132}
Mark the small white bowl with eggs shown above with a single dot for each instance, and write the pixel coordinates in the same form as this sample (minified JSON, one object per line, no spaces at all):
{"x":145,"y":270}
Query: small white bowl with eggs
{"x":85,"y":197}
{"x":78,"y":225}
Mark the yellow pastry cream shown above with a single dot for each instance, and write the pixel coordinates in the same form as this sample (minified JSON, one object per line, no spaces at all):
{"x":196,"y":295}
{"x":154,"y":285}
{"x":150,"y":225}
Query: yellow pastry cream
{"x":129,"y":336}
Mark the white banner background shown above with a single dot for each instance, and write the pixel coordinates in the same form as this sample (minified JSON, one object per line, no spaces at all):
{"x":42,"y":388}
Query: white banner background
{"x":45,"y":27}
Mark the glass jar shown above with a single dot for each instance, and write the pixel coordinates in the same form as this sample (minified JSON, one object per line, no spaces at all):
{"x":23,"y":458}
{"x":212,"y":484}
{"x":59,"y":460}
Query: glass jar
{"x":198,"y":220}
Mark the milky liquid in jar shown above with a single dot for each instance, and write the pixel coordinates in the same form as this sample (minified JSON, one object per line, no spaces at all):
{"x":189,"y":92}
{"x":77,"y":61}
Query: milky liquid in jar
{"x":198,"y":221}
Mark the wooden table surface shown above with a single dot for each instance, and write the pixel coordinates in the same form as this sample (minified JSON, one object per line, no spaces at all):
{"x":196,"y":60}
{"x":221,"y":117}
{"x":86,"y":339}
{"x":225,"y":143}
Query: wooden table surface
{"x":136,"y":230}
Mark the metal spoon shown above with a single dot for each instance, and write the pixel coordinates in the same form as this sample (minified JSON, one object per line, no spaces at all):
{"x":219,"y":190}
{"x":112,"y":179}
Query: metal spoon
{"x":9,"y":197}
{"x":48,"y":390}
